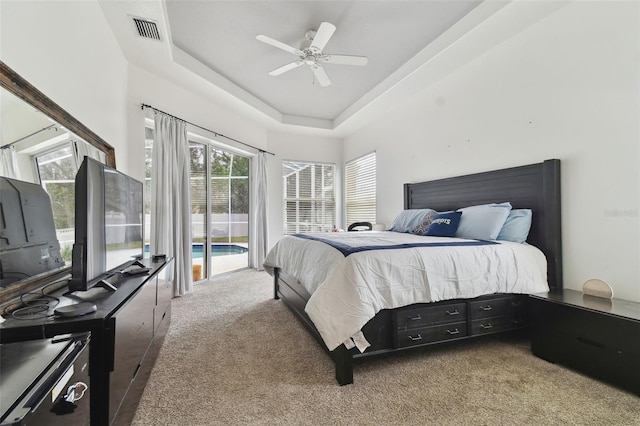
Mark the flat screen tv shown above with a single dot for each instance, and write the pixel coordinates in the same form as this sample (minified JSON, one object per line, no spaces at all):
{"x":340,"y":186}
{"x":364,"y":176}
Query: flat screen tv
{"x":109,"y":225}
{"x":28,"y":242}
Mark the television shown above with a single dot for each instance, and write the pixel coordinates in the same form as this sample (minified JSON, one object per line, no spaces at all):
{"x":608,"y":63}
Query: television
{"x":28,"y":242}
{"x":109,"y":220}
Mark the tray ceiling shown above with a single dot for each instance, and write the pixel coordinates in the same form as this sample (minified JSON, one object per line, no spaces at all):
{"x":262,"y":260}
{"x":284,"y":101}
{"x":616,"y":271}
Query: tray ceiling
{"x":216,"y":40}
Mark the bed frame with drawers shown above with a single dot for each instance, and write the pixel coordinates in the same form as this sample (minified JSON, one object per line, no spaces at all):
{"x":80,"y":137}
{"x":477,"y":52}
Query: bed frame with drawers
{"x":534,"y":186}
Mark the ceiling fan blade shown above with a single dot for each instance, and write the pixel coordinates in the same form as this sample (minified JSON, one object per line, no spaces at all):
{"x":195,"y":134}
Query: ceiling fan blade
{"x":286,"y":68}
{"x":321,"y":75}
{"x":278,"y":44}
{"x":345,"y":59}
{"x":322,"y":36}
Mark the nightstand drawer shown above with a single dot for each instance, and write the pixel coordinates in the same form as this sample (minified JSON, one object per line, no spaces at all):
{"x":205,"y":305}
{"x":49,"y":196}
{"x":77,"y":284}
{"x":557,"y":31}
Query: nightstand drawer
{"x":593,"y":358}
{"x":495,"y":307}
{"x":600,"y":329}
{"x":438,"y":333}
{"x":418,"y":317}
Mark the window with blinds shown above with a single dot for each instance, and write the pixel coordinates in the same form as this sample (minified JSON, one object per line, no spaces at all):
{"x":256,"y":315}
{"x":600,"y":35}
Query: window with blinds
{"x":308,"y":196}
{"x":360,"y":189}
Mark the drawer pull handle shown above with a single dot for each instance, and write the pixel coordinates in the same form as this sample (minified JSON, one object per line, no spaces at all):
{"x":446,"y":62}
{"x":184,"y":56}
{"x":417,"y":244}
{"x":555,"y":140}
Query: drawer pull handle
{"x":486,"y":308}
{"x":416,"y":318}
{"x":590,"y":342}
{"x":486,"y":326}
{"x":454,"y":312}
{"x":416,"y":338}
{"x":453,"y":332}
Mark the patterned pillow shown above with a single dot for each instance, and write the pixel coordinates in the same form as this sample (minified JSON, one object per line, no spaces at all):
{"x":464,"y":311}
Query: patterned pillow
{"x":408,"y":219}
{"x":423,"y":226}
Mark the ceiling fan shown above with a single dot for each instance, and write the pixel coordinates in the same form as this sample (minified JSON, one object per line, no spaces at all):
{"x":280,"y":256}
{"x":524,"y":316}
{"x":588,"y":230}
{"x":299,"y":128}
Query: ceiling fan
{"x":310,"y":53}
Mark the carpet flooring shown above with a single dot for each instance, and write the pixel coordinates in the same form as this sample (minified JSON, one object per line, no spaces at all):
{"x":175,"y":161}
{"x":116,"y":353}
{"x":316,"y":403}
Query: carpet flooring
{"x":234,"y":355}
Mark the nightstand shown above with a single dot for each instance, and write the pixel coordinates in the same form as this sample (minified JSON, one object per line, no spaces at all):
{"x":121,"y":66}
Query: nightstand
{"x":599,"y":337}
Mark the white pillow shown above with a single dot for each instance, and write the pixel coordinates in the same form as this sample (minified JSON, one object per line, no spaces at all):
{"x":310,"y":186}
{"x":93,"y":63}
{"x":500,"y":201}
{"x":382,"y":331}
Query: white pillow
{"x":516,"y":227}
{"x":483,"y":222}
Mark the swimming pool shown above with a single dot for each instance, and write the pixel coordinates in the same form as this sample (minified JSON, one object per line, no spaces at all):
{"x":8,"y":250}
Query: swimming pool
{"x":216,"y":250}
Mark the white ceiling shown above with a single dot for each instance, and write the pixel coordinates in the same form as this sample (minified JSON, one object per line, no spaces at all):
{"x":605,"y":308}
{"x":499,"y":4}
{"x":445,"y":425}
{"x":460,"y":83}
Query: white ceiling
{"x":216,"y":41}
{"x":222,"y":35}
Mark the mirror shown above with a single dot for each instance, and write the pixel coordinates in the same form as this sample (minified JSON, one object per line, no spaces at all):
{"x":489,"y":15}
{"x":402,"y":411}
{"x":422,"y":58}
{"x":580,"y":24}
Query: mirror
{"x":27,"y":115}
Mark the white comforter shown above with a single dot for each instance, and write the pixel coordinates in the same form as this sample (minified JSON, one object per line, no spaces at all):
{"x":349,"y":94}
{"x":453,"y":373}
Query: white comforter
{"x":346,"y":292}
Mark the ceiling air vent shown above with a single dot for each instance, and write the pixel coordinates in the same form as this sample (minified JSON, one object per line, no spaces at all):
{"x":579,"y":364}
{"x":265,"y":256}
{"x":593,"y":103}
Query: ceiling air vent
{"x":146,"y":28}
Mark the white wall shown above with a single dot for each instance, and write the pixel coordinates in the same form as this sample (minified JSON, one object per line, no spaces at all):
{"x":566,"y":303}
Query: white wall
{"x":564,"y":88}
{"x":67,"y":51}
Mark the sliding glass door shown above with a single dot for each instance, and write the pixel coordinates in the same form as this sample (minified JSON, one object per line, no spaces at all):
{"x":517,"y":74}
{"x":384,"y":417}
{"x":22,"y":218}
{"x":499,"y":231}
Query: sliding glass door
{"x":229,"y":178}
{"x":220,"y":209}
{"x":199,"y":208}
{"x":219,"y":185}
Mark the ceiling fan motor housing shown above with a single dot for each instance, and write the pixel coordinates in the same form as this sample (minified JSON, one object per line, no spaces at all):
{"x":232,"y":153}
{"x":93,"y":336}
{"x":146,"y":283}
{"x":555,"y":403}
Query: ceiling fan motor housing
{"x":305,"y":44}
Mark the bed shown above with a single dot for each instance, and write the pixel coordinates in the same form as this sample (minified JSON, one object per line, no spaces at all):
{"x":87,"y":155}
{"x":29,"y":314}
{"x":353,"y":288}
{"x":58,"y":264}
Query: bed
{"x":394,"y":323}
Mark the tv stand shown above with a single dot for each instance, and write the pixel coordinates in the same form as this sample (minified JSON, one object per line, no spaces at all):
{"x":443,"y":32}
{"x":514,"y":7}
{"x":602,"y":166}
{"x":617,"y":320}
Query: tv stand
{"x":106,"y":285}
{"x":127,"y":332}
{"x":90,"y":292}
{"x":138,"y":263}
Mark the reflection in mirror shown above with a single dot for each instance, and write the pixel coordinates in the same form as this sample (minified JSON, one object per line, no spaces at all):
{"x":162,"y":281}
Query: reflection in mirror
{"x":19,"y":123}
{"x":39,"y":144}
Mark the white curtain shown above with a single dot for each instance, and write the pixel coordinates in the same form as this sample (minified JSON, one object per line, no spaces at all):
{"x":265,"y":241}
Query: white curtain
{"x":82,"y":149}
{"x":9,"y":163}
{"x":171,"y":199}
{"x":260,"y":212}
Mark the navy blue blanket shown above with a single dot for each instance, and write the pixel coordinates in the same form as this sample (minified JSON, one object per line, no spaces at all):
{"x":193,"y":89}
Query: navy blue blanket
{"x":346,"y":250}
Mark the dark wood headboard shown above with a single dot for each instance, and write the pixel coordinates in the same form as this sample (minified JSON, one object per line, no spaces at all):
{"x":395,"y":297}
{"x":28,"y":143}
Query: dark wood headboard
{"x":535,"y":187}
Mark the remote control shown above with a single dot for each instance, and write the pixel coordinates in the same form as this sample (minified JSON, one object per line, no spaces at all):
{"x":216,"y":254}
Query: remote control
{"x":138,"y":271}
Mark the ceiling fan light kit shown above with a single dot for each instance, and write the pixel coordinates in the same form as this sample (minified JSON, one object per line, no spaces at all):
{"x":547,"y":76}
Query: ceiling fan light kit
{"x":310,"y":53}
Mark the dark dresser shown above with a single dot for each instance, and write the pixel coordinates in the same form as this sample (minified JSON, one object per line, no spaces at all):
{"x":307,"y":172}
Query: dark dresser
{"x":126,"y":334}
{"x":598,"y":337}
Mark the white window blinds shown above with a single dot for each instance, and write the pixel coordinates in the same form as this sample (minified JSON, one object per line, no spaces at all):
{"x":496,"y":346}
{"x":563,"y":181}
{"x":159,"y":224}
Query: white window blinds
{"x":309,"y":197}
{"x":360,"y":189}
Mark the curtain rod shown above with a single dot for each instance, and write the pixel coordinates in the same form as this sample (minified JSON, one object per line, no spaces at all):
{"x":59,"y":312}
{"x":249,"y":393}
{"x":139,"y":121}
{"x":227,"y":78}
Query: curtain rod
{"x":28,"y":136}
{"x":143,"y":106}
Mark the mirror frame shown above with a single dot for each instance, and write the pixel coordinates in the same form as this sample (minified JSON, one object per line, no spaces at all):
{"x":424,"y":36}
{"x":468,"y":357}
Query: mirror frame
{"x":21,"y":88}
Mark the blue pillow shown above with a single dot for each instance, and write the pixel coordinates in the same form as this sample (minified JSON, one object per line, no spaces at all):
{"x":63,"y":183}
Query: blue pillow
{"x":408,"y":220}
{"x":517,"y":226}
{"x":483,"y":222}
{"x":444,"y":224}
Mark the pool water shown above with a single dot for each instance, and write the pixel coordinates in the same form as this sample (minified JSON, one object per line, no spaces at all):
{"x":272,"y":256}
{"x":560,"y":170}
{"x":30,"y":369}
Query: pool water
{"x":216,"y":250}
